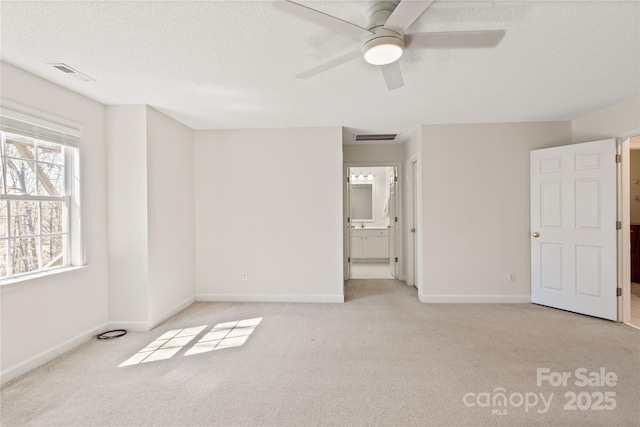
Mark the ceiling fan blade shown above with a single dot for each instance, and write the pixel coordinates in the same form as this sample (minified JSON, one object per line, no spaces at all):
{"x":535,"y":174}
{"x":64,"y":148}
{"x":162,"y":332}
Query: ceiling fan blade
{"x":405,"y":14}
{"x":392,"y":75}
{"x":320,"y":18}
{"x":456,"y":39}
{"x":329,"y":65}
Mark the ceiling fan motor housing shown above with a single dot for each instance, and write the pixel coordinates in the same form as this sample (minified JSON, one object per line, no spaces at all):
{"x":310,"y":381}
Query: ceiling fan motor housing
{"x":384,"y":45}
{"x":383,"y":39}
{"x":378,"y":13}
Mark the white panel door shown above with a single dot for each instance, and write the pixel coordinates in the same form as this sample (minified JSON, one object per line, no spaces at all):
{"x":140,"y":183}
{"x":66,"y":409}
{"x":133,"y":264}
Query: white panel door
{"x":348,"y":239}
{"x":414,"y":223}
{"x":573,"y":228}
{"x":393,"y":243}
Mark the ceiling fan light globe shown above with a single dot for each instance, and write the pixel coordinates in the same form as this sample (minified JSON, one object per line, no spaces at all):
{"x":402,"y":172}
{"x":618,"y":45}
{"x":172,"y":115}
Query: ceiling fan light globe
{"x":383,"y":50}
{"x":383,"y":54}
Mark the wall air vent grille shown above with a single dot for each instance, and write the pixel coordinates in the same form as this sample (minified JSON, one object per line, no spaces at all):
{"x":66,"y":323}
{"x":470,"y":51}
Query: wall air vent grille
{"x":64,"y":68}
{"x":376,"y":137}
{"x":74,"y":73}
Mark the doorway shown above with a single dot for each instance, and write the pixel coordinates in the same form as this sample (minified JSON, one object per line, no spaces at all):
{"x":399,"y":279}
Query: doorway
{"x":631,"y":298}
{"x":372,"y":226}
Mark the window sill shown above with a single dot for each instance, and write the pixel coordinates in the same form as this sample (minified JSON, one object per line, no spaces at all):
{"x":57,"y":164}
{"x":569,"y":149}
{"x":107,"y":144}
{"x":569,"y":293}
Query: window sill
{"x":16,"y":281}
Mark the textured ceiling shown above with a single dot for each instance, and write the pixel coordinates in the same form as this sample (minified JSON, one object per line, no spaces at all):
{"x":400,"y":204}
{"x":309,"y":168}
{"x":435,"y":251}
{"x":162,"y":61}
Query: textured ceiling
{"x":215,"y":64}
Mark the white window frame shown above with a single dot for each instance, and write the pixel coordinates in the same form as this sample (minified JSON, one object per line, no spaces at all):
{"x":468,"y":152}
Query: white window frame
{"x":11,"y":122}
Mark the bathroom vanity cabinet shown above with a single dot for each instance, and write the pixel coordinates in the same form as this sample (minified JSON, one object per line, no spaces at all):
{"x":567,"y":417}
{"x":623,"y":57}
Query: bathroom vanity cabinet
{"x":369,"y":244}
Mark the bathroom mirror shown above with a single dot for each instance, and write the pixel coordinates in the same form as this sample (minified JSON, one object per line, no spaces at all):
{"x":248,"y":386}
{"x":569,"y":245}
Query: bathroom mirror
{"x":361,"y":201}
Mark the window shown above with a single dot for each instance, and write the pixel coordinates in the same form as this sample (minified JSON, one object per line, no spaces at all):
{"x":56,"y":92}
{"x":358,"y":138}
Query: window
{"x":38,"y":203}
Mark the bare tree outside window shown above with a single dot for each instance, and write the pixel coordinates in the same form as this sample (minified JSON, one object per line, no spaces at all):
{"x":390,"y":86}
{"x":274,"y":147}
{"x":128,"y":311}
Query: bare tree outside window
{"x":33,"y":206}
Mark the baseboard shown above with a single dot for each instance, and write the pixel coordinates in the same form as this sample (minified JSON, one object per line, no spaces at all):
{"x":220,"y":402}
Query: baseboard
{"x":270,"y":298}
{"x":129,"y":326}
{"x":632,"y":325}
{"x":475,"y":299}
{"x":22,"y":368}
{"x":172,"y":312}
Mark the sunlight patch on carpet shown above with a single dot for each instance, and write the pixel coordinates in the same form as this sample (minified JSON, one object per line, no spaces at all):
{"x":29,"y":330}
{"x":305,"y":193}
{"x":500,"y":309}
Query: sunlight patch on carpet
{"x":165,"y":346}
{"x":223,"y":335}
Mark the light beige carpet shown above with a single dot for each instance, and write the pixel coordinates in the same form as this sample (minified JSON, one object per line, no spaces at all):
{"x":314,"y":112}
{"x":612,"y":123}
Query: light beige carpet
{"x":380,"y":359}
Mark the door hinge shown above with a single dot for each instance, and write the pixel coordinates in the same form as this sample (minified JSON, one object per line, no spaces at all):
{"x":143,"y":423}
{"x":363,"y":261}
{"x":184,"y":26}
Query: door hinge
{"x":396,"y":259}
{"x":395,"y":178}
{"x":618,"y":225}
{"x":396,"y":219}
{"x":618,"y":158}
{"x":619,"y":292}
{"x":348,"y":219}
{"x":348,"y":179}
{"x":348,"y":259}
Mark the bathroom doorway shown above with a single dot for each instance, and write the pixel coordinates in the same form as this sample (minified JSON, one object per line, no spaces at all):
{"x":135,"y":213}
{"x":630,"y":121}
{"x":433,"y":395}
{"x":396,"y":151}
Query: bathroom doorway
{"x":632,"y":303}
{"x":372,"y":227}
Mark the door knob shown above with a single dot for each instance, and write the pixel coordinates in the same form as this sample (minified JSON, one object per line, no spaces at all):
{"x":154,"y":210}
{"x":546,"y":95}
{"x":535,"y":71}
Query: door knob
{"x":535,"y":234}
{"x":413,"y":230}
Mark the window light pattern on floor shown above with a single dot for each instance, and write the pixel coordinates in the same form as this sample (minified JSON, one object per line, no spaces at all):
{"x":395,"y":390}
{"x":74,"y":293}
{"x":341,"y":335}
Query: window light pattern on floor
{"x":166,"y":346}
{"x":225,"y":335}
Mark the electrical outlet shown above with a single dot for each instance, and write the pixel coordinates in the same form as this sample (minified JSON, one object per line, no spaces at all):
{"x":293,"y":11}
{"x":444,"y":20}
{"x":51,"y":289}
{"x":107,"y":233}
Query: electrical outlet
{"x":244,"y":276}
{"x":511,"y":277}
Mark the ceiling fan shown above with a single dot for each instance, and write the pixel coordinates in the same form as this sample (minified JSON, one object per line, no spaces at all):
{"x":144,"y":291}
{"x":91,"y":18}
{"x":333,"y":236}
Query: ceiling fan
{"x":384,"y":40}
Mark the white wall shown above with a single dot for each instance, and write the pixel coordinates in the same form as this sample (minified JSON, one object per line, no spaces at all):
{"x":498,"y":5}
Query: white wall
{"x":171,"y":216}
{"x":372,"y":153}
{"x":41,"y":318}
{"x":128,"y":231}
{"x":151,"y":217}
{"x":280,"y":221}
{"x":412,"y":145}
{"x":475,"y":208}
{"x":609,"y":122}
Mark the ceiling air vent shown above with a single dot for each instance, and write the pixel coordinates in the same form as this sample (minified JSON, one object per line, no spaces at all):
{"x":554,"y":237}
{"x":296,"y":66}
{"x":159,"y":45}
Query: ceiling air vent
{"x":375,"y":137}
{"x":74,"y":73}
